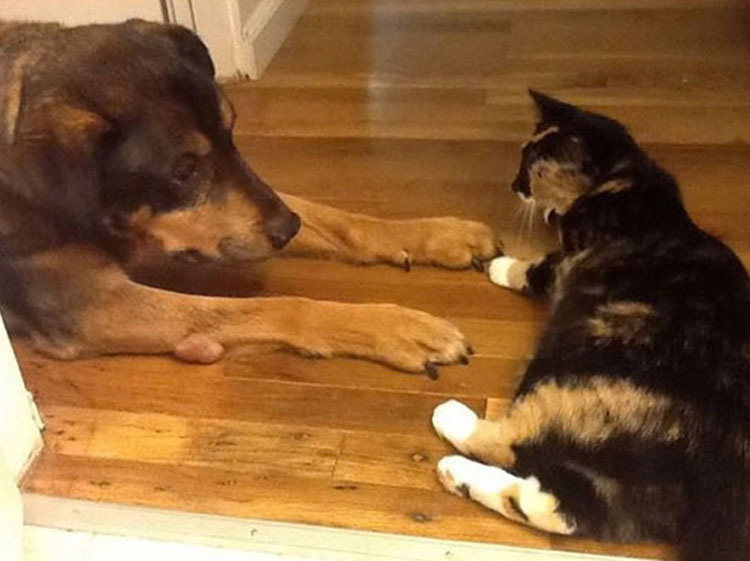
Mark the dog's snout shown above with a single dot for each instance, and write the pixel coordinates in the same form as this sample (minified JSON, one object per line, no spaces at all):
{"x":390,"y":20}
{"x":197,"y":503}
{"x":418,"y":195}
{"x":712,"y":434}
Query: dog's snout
{"x":283,"y":228}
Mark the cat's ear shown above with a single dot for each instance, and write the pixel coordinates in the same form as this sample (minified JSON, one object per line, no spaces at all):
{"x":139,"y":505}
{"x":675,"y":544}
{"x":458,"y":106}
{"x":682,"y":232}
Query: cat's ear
{"x":551,"y":110}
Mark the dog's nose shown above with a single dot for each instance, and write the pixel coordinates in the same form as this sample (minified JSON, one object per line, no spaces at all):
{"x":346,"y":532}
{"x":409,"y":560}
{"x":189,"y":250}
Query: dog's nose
{"x":282,"y":230}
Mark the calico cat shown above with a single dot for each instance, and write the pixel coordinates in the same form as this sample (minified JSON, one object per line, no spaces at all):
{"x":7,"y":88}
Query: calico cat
{"x":632,"y":420}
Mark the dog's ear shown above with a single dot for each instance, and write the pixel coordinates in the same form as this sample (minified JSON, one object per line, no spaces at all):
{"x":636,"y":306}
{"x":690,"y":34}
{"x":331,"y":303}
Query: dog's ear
{"x":188,"y":44}
{"x":190,"y":47}
{"x":11,"y":102}
{"x":77,"y":131}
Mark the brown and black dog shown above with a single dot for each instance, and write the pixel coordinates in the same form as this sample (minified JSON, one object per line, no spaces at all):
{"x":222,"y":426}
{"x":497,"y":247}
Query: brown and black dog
{"x":114,"y":141}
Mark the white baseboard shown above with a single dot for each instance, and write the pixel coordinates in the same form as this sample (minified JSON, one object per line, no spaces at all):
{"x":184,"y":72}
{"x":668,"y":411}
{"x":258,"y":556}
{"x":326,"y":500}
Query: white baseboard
{"x":317,"y":542}
{"x":20,"y":441}
{"x":266,"y":28}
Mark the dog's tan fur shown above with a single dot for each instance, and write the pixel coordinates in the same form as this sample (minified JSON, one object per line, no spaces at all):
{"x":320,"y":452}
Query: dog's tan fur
{"x":69,"y":290}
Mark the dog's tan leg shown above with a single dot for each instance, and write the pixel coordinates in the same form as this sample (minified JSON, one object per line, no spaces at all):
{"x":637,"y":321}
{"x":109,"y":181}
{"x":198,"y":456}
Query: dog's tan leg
{"x":333,"y":233}
{"x":101,"y":311}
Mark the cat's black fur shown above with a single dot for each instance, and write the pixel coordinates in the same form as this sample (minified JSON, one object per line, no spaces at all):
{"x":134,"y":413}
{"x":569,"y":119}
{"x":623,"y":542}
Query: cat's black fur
{"x":640,"y":295}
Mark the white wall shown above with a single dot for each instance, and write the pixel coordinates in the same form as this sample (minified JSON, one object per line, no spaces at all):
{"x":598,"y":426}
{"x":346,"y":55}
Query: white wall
{"x":19,"y":439}
{"x":11,"y":516}
{"x":242,"y":35}
{"x":74,"y":12}
{"x":247,"y":8}
{"x":19,"y":434}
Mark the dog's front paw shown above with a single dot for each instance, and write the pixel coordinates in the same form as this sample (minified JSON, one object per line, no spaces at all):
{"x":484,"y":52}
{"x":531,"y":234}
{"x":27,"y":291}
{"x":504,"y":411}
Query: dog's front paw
{"x":450,"y":242}
{"x":416,"y":341}
{"x":454,"y":421}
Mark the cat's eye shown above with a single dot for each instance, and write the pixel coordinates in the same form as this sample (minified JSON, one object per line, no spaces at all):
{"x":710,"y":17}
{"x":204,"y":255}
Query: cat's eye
{"x":185,"y":168}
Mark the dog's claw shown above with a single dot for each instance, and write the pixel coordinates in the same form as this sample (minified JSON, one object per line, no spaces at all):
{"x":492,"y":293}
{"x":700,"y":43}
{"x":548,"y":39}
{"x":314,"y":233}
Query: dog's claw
{"x":464,"y":359}
{"x":477,"y":265}
{"x":499,"y":248}
{"x":432,"y":370}
{"x":406,"y":262}
{"x":469,"y":350}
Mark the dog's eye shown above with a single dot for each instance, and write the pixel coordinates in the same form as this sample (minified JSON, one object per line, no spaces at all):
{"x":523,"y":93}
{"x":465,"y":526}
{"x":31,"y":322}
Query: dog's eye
{"x":185,"y":168}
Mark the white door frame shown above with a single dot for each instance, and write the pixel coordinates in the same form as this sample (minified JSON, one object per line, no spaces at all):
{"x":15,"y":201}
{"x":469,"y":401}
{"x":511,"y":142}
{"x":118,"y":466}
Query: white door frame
{"x":20,"y":436}
{"x":20,"y":442}
{"x":242,"y":35}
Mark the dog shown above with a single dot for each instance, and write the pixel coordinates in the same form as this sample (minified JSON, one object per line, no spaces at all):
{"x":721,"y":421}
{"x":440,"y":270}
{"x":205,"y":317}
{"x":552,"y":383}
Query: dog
{"x":115,"y":143}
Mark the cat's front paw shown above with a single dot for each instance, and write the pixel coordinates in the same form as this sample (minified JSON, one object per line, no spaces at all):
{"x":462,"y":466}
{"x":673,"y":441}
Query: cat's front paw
{"x":454,"y":421}
{"x":509,"y":272}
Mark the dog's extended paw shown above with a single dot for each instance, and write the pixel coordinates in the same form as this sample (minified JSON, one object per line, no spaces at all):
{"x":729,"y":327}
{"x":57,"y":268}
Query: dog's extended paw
{"x":415,"y":341}
{"x":450,"y":242}
{"x":509,"y":272}
{"x":403,"y":338}
{"x":454,"y":421}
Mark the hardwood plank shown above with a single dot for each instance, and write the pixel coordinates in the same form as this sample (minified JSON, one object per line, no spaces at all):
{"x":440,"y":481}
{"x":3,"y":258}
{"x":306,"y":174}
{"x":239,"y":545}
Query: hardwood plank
{"x":397,"y":460}
{"x":423,"y":288}
{"x":341,"y":41}
{"x":406,"y":178}
{"x":484,"y":376}
{"x":412,"y":114}
{"x":501,"y":349}
{"x":327,"y":502}
{"x":640,"y":550}
{"x":399,"y":109}
{"x":258,"y":448}
{"x":495,"y":408}
{"x":164,"y":386}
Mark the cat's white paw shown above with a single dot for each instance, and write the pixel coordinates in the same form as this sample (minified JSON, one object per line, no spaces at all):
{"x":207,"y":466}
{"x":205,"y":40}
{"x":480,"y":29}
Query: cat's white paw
{"x":454,"y":421}
{"x":481,"y":482}
{"x":455,"y":473}
{"x":508,"y":272}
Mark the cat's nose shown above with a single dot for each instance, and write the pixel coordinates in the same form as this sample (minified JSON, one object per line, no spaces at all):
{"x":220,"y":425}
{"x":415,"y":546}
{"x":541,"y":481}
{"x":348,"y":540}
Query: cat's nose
{"x":521,"y":187}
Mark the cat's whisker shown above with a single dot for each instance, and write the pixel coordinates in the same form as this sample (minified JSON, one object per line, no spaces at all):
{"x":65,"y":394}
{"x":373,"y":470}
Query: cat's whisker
{"x":529,"y":208}
{"x":521,"y":211}
{"x":530,"y":221}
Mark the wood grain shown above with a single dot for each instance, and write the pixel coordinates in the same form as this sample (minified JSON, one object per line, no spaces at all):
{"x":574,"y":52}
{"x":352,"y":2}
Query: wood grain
{"x":398,"y":108}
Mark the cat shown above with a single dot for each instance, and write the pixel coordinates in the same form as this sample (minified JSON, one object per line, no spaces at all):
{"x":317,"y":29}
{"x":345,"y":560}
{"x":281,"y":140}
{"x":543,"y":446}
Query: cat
{"x":632,"y":420}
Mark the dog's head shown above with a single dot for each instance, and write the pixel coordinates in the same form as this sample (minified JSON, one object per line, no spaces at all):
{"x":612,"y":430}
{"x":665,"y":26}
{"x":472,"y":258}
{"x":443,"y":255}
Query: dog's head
{"x":134,"y":113}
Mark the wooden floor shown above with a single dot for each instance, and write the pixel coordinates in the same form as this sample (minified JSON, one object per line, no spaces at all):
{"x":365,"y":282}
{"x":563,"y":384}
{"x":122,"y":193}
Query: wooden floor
{"x":399,"y":108}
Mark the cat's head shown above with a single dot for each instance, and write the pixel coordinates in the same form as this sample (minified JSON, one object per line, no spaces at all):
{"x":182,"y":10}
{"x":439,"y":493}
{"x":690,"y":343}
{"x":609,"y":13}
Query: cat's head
{"x":572,"y":153}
